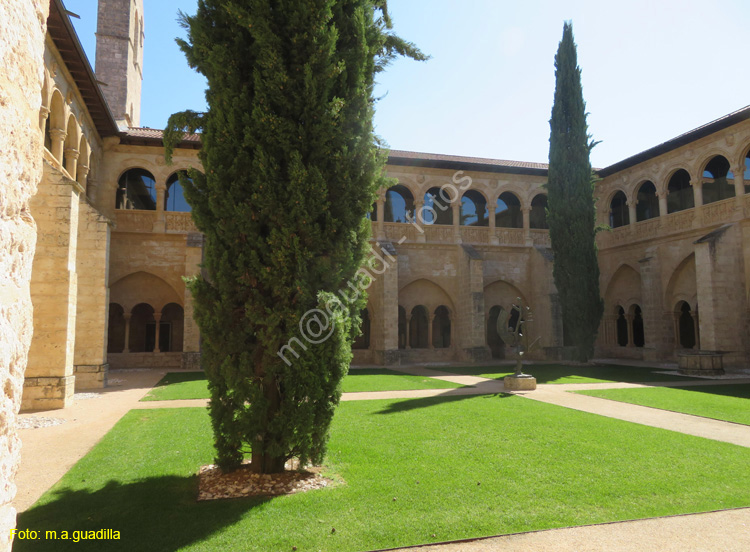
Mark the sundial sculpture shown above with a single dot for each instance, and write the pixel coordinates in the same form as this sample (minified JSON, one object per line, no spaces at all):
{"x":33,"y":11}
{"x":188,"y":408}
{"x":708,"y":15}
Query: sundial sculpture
{"x":518,"y":338}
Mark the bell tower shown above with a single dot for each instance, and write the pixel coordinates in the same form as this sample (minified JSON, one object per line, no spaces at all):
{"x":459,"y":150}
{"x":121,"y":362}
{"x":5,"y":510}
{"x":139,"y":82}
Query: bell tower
{"x":119,"y":57}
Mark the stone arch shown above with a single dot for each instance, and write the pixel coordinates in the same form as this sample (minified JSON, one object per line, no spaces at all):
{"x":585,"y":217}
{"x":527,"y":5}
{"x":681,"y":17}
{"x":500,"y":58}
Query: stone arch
{"x":635,"y":314}
{"x":508,"y":211}
{"x":646,"y":201}
{"x":686,"y":325}
{"x":538,"y":213}
{"x":679,"y":191}
{"x":136,"y":189}
{"x":116,"y":329}
{"x":362,"y":341}
{"x":174,"y":198}
{"x":619,"y":213}
{"x":745,"y":160}
{"x":172,"y":327}
{"x":399,"y":203}
{"x":143,"y":287}
{"x":437,"y":206}
{"x":717,"y":179}
{"x":474,"y":211}
{"x":419,"y":327}
{"x":521,"y":193}
{"x":624,"y":287}
{"x":441,"y":328}
{"x":57,"y":110}
{"x":141,"y":338}
{"x":424,"y":292}
{"x":682,"y":284}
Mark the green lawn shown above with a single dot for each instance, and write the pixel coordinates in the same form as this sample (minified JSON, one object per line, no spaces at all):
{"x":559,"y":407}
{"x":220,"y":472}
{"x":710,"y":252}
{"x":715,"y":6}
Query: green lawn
{"x":382,"y":379}
{"x":721,"y":402}
{"x":562,"y":373}
{"x":457,"y":467}
{"x":179,"y":386}
{"x":192,"y":385}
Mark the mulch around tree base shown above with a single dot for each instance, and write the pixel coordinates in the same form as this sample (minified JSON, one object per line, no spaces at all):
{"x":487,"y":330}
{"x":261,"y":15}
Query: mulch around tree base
{"x":214,"y":484}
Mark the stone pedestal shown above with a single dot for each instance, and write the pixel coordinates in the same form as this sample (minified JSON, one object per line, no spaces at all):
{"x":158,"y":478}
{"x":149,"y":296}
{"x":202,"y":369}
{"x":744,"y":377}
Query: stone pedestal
{"x":524,"y":382}
{"x":701,"y":363}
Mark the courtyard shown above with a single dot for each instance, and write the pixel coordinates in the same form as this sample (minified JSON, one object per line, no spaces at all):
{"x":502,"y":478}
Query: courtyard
{"x":418,"y":455}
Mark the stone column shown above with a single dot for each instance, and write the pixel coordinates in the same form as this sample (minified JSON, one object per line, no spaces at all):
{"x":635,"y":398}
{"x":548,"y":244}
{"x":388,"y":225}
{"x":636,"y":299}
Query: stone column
{"x":739,"y":184}
{"x":696,"y":329}
{"x":493,"y":225}
{"x":71,"y":161}
{"x":127,"y":316}
{"x":58,"y":135}
{"x":419,"y":219}
{"x":663,"y":208}
{"x":431,"y":334}
{"x":82,"y":175}
{"x":470,"y":308}
{"x":632,"y":215}
{"x":380,"y":223}
{"x":157,"y":319}
{"x":191,"y":346}
{"x":160,"y":223}
{"x":629,"y":319}
{"x":527,"y":226}
{"x":408,"y":330}
{"x":21,"y":161}
{"x":43,"y":116}
{"x":697,"y":192}
{"x":456,"y":206}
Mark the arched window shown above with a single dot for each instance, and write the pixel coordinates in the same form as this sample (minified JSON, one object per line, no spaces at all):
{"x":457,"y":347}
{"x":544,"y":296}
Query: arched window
{"x":174,"y":200}
{"x":622,"y":328}
{"x":116,"y":329}
{"x":399,"y":204}
{"x":402,"y":333}
{"x":142,"y":329}
{"x":474,"y":209}
{"x":418,"y":328}
{"x":686,"y":326}
{"x":362,"y":341}
{"x":639,"y":337}
{"x":538,"y":215}
{"x":618,"y":211}
{"x":136,"y":189}
{"x":441,"y":328}
{"x":680,"y":192}
{"x":171,"y":328}
{"x":747,"y":173}
{"x":647,"y":204}
{"x":718,"y":180}
{"x":437,"y":207}
{"x":494,"y":341}
{"x":508,"y":211}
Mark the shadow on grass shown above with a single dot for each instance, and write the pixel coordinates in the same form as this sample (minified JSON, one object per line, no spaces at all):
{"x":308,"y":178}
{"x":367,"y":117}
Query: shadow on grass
{"x":158,"y":513}
{"x":571,"y":373}
{"x":736,"y":390}
{"x":180,"y":377}
{"x":425,"y":402}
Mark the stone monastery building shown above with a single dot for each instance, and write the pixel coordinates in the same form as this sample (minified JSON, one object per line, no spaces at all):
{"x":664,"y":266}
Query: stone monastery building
{"x":114,"y":237}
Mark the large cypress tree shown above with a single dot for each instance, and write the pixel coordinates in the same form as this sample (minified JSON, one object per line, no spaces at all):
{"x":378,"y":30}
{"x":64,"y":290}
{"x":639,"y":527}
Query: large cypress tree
{"x":291,"y":169}
{"x":571,"y":212}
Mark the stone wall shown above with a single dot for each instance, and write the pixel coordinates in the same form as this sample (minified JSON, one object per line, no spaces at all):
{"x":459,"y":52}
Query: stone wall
{"x":22,"y":31}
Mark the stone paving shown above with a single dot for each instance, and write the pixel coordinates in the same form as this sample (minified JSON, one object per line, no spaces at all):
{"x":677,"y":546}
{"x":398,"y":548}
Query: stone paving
{"x":87,"y":421}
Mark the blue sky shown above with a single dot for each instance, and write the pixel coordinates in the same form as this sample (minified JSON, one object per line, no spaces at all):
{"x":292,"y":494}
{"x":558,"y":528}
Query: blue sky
{"x":652,"y":69}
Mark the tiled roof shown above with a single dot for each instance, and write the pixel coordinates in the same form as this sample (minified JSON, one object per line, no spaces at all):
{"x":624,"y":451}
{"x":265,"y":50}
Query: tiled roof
{"x":156,"y":134}
{"x":458,"y":162}
{"x":683,"y":139}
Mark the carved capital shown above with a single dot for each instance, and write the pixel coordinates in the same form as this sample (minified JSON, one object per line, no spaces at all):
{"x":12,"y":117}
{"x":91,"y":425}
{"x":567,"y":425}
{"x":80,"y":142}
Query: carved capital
{"x":58,"y":134}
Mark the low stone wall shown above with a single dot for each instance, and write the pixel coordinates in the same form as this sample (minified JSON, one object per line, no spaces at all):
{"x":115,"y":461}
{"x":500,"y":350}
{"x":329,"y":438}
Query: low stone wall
{"x":144,"y":360}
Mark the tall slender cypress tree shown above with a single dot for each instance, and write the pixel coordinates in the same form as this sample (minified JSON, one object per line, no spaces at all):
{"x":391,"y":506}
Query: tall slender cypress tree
{"x":571,"y":213}
{"x":292,"y":168}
